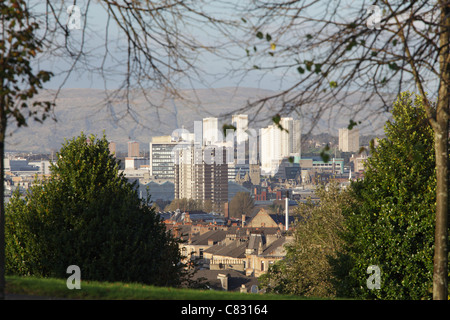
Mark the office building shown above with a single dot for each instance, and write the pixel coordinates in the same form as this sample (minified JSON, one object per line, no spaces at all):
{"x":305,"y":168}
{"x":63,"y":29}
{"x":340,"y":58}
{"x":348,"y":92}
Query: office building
{"x":136,"y":163}
{"x":211,"y":131}
{"x":161,"y":157}
{"x":201,"y":173}
{"x":269,"y":152}
{"x":349,"y":140}
{"x":277,"y":144}
{"x":240,"y":122}
{"x":133,"y":149}
{"x":296,"y":149}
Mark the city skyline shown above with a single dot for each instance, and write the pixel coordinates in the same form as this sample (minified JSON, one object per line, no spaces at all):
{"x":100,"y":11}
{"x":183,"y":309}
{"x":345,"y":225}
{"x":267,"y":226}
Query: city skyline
{"x":79,"y":110}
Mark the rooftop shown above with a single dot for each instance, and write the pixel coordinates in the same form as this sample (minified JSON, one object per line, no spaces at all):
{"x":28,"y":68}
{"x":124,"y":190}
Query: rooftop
{"x":235,"y":279}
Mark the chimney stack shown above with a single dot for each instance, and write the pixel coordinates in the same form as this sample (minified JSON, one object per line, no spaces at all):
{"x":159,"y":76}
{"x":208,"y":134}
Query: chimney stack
{"x":226,"y":211}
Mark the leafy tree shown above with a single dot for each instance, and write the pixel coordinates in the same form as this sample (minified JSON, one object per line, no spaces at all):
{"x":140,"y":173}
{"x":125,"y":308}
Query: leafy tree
{"x":306,"y":269}
{"x":344,"y":56}
{"x":191,"y":205}
{"x":208,"y":206}
{"x":19,"y":83}
{"x":391,"y":223}
{"x":142,"y":45}
{"x":242,"y":203}
{"x":88,"y":214}
{"x":185,"y":205}
{"x":156,"y":207}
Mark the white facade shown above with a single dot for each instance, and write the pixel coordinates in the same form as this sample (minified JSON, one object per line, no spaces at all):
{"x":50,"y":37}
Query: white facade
{"x":135,"y":162}
{"x":211,"y":131}
{"x":240,"y":122}
{"x":277,"y":144}
{"x":349,"y":140}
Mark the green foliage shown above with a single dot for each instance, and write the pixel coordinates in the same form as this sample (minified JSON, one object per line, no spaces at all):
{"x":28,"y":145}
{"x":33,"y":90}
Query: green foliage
{"x":352,"y":124}
{"x":276,"y":120}
{"x":227,"y":127}
{"x":20,"y":82}
{"x":387,"y":219}
{"x":88,"y":214}
{"x":324,"y":154}
{"x":306,"y":269}
{"x":391,"y":224}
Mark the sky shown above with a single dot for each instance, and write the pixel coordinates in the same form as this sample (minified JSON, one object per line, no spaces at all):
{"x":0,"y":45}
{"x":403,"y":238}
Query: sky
{"x":214,"y":69}
{"x":223,"y":68}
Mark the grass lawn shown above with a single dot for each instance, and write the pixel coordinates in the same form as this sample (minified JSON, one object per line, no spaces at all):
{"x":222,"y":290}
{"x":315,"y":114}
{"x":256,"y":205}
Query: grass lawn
{"x":57,"y":288}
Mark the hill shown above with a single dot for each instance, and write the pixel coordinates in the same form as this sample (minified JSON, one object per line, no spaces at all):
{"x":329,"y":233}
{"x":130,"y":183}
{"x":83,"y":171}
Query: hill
{"x":94,"y":110}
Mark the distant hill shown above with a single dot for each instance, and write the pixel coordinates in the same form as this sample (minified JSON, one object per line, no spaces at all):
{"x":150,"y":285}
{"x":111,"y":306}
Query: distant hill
{"x":95,"y":111}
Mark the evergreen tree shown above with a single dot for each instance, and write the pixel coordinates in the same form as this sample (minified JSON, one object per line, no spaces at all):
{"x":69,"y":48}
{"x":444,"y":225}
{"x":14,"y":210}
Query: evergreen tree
{"x":392,"y":223}
{"x":88,"y":214}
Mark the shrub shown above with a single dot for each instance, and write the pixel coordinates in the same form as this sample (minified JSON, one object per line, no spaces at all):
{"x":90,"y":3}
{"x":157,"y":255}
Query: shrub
{"x":88,"y":214}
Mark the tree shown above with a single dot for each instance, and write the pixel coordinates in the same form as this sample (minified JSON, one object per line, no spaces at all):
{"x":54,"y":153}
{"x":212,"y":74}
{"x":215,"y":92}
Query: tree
{"x":242,"y":203}
{"x":19,"y":83}
{"x":307,"y":269}
{"x":342,"y":51}
{"x":134,"y":46}
{"x":391,"y":221}
{"x":88,"y":214}
{"x":208,"y":206}
{"x":152,"y":39}
{"x":191,"y":205}
{"x":185,"y":205}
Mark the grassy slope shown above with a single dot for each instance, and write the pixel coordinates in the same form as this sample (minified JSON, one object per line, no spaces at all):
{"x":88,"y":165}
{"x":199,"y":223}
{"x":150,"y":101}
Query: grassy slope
{"x":123,"y":291}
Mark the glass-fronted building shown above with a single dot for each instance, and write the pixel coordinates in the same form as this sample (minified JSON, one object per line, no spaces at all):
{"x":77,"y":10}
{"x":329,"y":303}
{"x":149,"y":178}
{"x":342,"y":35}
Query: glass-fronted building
{"x":161,"y":157}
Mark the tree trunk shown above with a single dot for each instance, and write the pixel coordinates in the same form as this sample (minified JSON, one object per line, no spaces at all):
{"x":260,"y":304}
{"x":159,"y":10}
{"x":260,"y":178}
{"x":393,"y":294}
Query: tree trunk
{"x":440,"y":275}
{"x":440,"y":285}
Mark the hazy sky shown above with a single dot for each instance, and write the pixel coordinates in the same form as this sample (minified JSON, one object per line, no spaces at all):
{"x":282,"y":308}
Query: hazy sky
{"x":214,"y":70}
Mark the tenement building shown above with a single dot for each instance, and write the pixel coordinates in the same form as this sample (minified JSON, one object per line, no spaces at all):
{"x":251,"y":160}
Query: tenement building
{"x":201,"y":173}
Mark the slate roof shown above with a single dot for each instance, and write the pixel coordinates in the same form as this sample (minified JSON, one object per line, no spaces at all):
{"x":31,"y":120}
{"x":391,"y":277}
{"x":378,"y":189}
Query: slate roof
{"x":243,"y":231}
{"x":215,"y":235}
{"x":271,"y":249}
{"x":232,"y":250}
{"x":235,"y":279}
{"x":236,"y":249}
{"x":255,"y":241}
{"x":281,"y":218}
